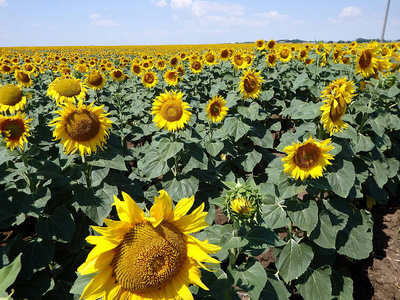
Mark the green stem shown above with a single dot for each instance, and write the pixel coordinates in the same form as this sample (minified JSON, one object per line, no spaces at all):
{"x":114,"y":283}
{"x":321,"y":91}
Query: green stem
{"x":233,"y":255}
{"x":365,"y":114}
{"x":28,"y":178}
{"x":88,"y":175}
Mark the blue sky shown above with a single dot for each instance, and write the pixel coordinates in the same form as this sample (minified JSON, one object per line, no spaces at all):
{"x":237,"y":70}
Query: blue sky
{"x":160,"y":22}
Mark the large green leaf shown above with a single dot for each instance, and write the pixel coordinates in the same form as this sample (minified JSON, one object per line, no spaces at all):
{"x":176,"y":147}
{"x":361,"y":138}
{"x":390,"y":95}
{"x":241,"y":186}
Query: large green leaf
{"x":342,"y":285}
{"x":236,"y":127}
{"x":304,"y":214}
{"x":153,"y":164}
{"x":342,"y":180}
{"x":294,"y":260}
{"x":302,"y":110}
{"x":214,"y":147}
{"x":274,"y":214}
{"x":169,"y":148}
{"x":37,"y":255}
{"x":181,"y":187}
{"x":316,"y":284}
{"x":252,"y":159}
{"x":275,"y":289}
{"x":58,"y":226}
{"x":9,"y":273}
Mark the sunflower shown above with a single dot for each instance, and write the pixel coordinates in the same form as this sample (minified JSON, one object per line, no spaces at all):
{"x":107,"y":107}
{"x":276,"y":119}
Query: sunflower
{"x":341,"y":89}
{"x":366,"y":61}
{"x":149,"y":79}
{"x":161,"y":64}
{"x":216,"y":109}
{"x":210,"y":58}
{"x":173,"y":62}
{"x":242,"y":207}
{"x":95,"y":80}
{"x":224,"y":54}
{"x":270,"y":45}
{"x":5,"y":68}
{"x":259,"y":44}
{"x":196,"y":66}
{"x":11,"y":98}
{"x":271,"y":59}
{"x":23,"y":78}
{"x":171,"y":77}
{"x":239,"y":62}
{"x":15,"y":129}
{"x":332,"y":113}
{"x":285,"y":54}
{"x":81,"y":127}
{"x":118,"y":75}
{"x":136,"y":69}
{"x":250,"y":84}
{"x":148,"y":256}
{"x":170,"y":112}
{"x":64,"y":90}
{"x":306,"y":159}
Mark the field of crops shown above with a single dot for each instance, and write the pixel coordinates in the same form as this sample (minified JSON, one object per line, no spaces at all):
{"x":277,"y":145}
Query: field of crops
{"x":115,"y":161}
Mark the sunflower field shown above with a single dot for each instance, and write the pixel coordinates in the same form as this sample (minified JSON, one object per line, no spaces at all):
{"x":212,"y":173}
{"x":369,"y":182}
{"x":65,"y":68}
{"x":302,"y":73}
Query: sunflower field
{"x":166,"y":172}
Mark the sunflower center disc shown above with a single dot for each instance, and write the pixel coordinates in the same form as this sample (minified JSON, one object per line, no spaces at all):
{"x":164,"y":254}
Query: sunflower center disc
{"x":23,"y":77}
{"x":149,"y":257}
{"x":95,"y":79}
{"x":215,"y":109}
{"x":365,"y":59}
{"x":67,"y":87}
{"x":117,"y":74}
{"x":249,"y":84}
{"x":149,"y":78}
{"x":82,"y":126}
{"x":336,"y":113}
{"x":306,"y":156}
{"x":10,"y":95}
{"x":171,"y":111}
{"x":15,"y":129}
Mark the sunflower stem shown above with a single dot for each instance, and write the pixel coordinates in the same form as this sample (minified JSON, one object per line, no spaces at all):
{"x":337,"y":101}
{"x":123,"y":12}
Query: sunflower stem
{"x":365,"y":114}
{"x":28,"y":177}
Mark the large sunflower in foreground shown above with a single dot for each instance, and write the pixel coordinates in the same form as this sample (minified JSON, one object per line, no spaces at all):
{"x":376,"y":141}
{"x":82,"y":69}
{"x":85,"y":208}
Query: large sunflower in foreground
{"x":148,"y":256}
{"x":11,"y":98}
{"x":216,"y":109}
{"x":250,"y":84}
{"x":66,"y":90}
{"x":306,"y":159}
{"x":82,"y":127}
{"x":15,"y":129}
{"x":170,"y":112}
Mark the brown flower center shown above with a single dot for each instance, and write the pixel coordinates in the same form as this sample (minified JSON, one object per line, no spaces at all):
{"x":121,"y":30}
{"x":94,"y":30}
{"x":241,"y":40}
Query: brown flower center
{"x":10,"y":95}
{"x":13,"y":128}
{"x":365,"y":59}
{"x":307,"y":155}
{"x":67,"y":87}
{"x":95,"y":79}
{"x":249,"y":83}
{"x":215,"y":108}
{"x":23,"y":77}
{"x":149,"y":257}
{"x":82,"y":125}
{"x":117,"y":74}
{"x":148,"y":78}
{"x":171,"y":110}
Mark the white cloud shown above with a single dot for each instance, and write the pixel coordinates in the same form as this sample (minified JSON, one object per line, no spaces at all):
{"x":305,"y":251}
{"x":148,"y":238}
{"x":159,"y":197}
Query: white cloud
{"x":159,"y":3}
{"x":94,"y":16}
{"x":105,"y":23}
{"x":350,"y":12}
{"x":272,"y":15}
{"x":3,"y":3}
{"x":207,"y":8}
{"x":181,"y":3}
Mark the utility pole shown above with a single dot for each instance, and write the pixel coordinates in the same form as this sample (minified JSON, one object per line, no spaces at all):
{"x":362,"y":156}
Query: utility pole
{"x":384,"y":22}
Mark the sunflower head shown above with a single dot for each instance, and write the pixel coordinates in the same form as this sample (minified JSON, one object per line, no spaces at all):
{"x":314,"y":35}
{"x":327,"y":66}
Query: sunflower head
{"x":250,"y":84}
{"x":95,"y":80}
{"x":216,"y":109}
{"x":171,"y":77}
{"x":148,"y":256}
{"x":23,"y":78}
{"x":306,"y":159}
{"x":81,"y":127}
{"x":149,"y":79}
{"x":11,"y":98}
{"x":196,"y":66}
{"x":14,"y":130}
{"x":118,"y":75}
{"x":66,"y":90}
{"x":170,"y":112}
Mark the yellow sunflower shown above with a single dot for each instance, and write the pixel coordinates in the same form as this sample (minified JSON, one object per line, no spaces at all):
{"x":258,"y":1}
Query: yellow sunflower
{"x":170,"y":112}
{"x":250,"y":84}
{"x":271,"y":59}
{"x":95,"y":80}
{"x":14,"y":129}
{"x":66,"y":90}
{"x":118,"y":75}
{"x":161,"y":64}
{"x":259,"y":44}
{"x":11,"y":98}
{"x":23,"y":78}
{"x":366,"y":61}
{"x":196,"y":66}
{"x":239,"y":62}
{"x":171,"y":77}
{"x":210,"y":58}
{"x":149,"y":79}
{"x":270,"y":45}
{"x":285,"y":54}
{"x":148,"y":256}
{"x":81,"y":127}
{"x":216,"y":109}
{"x":306,"y":159}
{"x":332,"y":113}
{"x":341,"y":89}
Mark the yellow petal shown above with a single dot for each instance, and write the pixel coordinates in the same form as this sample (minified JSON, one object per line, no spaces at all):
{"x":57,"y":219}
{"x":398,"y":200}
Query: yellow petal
{"x":182,"y":207}
{"x":161,"y":208}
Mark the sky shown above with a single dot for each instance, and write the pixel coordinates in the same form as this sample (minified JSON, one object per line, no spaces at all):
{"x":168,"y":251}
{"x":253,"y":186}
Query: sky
{"x":169,"y":22}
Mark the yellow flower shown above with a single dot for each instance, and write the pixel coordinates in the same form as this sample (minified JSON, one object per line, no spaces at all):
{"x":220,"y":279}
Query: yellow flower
{"x":216,"y":109}
{"x":149,"y":79}
{"x":271,"y":59}
{"x":170,"y":112}
{"x":196,"y":66}
{"x":306,"y":159}
{"x":15,"y":129}
{"x":250,"y":84}
{"x":23,"y":78}
{"x":118,"y":75}
{"x":11,"y":98}
{"x":136,"y":69}
{"x":242,"y":207}
{"x":81,"y":127}
{"x":285,"y":54}
{"x":148,"y":256}
{"x":64,"y":90}
{"x":366,"y":61}
{"x":259,"y":44}
{"x":171,"y":77}
{"x":332,"y":114}
{"x":95,"y":80}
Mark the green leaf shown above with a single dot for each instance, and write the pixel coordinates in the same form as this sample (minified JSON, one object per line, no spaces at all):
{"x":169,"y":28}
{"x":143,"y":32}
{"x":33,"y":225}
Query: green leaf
{"x":98,"y":175}
{"x":80,"y":283}
{"x":179,"y":188}
{"x":8,"y":211}
{"x":302,"y":110}
{"x":49,"y":170}
{"x":275,"y":289}
{"x":58,"y":226}
{"x":342,"y":285}
{"x":214,"y":147}
{"x":343,"y":179}
{"x":236,"y":128}
{"x":153,"y":164}
{"x":293,"y":260}
{"x":316,"y":284}
{"x":9,"y":273}
{"x":378,"y":125}
{"x":252,"y":159}
{"x":260,"y":239}
{"x":36,"y":255}
{"x":302,"y":80}
{"x":169,"y":148}
{"x":303,"y":213}
{"x":82,"y":225}
{"x":380,"y":173}
{"x":363,"y":144}
{"x":250,"y":277}
{"x":274,"y":215}
{"x":251,"y":112}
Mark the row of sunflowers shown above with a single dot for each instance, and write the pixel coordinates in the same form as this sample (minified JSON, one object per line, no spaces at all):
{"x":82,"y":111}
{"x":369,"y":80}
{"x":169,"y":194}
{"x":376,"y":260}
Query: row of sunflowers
{"x":246,"y":149}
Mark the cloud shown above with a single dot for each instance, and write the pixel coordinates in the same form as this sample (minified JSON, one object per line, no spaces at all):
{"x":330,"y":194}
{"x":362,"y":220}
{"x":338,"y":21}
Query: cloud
{"x":350,"y":11}
{"x":181,"y":3}
{"x":94,"y":16}
{"x":105,"y":23}
{"x":3,"y":3}
{"x":208,"y":8}
{"x":159,"y":3}
{"x":272,"y":15}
